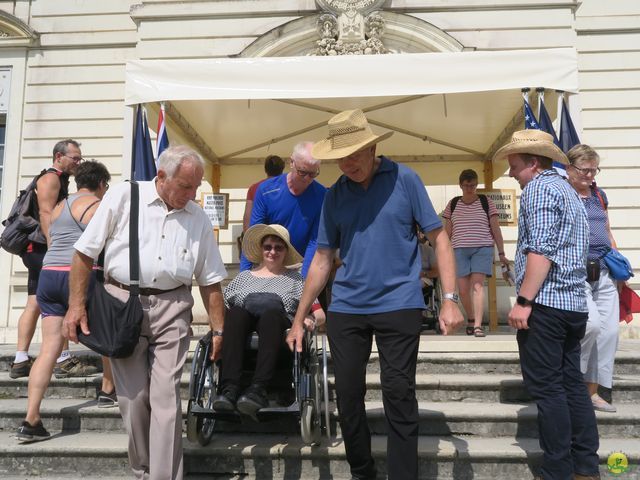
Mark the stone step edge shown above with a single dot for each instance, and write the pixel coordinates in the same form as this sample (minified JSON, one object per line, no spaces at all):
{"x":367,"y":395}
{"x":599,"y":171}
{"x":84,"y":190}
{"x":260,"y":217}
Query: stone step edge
{"x":88,"y":444}
{"x":627,"y":413}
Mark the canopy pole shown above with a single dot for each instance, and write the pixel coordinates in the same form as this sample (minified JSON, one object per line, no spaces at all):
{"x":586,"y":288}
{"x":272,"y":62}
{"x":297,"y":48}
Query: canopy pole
{"x":492,"y":291}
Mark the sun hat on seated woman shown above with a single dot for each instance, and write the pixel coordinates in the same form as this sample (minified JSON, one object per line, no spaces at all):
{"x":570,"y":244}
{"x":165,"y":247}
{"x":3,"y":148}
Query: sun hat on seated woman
{"x":252,"y":243}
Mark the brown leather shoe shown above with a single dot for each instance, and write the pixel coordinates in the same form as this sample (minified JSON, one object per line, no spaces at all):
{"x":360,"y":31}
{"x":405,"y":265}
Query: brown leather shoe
{"x":577,"y":476}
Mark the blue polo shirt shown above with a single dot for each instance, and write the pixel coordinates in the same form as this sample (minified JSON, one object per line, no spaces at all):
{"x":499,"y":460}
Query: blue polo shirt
{"x":300,"y":214}
{"x":374,"y":230}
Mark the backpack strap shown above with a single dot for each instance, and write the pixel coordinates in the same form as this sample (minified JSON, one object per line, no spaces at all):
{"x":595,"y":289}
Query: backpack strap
{"x":483,"y":201}
{"x":599,"y":195}
{"x":485,"y":204}
{"x":454,"y":202}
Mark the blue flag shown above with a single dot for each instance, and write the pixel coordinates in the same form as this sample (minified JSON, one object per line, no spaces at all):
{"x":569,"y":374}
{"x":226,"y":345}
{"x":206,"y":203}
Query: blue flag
{"x":530,"y":122}
{"x":143,"y":166}
{"x":568,"y":135}
{"x":546,"y":125}
{"x":529,"y":118}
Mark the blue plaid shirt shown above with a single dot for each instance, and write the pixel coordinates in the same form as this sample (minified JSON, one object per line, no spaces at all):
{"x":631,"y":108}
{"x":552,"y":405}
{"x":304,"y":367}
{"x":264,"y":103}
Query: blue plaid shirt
{"x":553,"y":222}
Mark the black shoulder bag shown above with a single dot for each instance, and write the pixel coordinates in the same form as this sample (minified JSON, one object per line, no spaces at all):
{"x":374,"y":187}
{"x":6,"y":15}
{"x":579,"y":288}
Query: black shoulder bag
{"x":115,"y":325}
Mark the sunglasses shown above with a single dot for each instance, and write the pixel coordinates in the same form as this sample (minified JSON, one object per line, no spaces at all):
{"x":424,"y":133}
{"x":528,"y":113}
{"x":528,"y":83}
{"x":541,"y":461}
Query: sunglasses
{"x":267,"y":247}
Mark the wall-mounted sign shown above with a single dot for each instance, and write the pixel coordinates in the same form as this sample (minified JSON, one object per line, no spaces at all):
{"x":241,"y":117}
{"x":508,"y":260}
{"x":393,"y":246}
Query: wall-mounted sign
{"x":505,"y":201}
{"x":216,"y":206}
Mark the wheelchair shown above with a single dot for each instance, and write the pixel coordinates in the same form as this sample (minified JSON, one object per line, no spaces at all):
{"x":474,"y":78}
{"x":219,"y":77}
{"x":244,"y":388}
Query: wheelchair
{"x":433,"y":299}
{"x":307,"y":398}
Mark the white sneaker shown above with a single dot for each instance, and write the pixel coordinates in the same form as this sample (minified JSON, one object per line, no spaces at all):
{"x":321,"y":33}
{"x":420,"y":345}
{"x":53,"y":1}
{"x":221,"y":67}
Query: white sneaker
{"x":601,"y":404}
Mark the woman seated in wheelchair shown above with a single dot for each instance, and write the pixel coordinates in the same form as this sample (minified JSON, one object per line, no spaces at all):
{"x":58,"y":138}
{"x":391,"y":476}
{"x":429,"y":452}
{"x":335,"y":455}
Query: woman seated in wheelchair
{"x":263,"y":299}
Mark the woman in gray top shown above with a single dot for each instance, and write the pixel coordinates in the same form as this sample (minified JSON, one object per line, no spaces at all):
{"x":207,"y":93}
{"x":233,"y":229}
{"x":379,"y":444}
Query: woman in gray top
{"x":68,"y":220}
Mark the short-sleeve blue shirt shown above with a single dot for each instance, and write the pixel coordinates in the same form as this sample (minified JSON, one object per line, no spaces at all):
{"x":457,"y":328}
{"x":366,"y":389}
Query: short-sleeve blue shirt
{"x":375,"y":232}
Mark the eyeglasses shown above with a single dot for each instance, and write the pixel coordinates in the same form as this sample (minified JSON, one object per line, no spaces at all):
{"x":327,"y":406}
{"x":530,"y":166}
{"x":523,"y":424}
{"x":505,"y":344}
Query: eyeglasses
{"x":587,"y":171}
{"x":75,"y":159}
{"x":304,"y":173}
{"x":267,"y":247}
{"x":106,"y":185}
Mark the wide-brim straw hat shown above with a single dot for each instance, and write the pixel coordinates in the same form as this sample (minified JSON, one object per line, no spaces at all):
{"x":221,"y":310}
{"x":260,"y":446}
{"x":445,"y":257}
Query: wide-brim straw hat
{"x":349,"y":131}
{"x":252,"y":243}
{"x":533,"y":142}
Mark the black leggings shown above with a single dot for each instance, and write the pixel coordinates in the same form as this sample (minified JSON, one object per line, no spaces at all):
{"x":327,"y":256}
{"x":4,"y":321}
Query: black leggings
{"x":238,"y":324}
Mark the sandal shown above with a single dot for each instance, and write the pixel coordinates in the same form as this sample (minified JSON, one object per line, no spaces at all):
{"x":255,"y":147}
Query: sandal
{"x":469,"y":329}
{"x":478,"y":332}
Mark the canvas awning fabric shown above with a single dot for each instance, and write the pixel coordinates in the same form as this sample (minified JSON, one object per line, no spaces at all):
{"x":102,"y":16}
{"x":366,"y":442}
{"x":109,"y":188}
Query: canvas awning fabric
{"x":441,"y":105}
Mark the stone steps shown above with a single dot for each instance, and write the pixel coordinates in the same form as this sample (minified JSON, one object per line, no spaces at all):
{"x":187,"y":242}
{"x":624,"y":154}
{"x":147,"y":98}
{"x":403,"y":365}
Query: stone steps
{"x":476,"y":422}
{"x":282,"y":457}
{"x":445,"y":387}
{"x":436,"y":418}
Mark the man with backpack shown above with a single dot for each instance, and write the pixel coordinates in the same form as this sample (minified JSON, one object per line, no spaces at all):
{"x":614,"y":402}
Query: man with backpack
{"x":52,"y":185}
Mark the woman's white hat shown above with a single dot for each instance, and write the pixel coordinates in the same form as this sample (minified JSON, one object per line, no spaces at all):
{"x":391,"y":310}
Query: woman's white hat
{"x":252,"y":243}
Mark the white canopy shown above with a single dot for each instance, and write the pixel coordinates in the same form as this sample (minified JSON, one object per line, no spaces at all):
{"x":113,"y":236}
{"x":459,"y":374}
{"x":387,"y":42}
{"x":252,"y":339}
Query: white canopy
{"x":442,"y":105}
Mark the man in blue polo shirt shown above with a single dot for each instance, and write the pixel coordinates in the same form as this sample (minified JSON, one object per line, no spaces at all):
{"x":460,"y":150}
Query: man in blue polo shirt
{"x":371,"y":214}
{"x":293,"y":200}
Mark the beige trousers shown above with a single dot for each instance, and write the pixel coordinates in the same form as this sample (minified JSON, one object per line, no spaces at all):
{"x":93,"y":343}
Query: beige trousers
{"x":148,"y":385}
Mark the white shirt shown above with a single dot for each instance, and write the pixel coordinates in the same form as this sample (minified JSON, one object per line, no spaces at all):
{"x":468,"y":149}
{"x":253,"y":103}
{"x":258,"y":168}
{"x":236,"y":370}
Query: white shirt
{"x":174,"y":245}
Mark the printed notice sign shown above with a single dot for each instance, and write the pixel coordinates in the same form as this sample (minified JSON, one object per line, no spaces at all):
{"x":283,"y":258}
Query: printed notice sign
{"x":216,"y":206}
{"x":505,"y":201}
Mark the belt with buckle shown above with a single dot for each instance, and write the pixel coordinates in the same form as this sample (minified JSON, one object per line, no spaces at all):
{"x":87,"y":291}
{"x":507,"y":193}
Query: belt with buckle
{"x":143,"y":291}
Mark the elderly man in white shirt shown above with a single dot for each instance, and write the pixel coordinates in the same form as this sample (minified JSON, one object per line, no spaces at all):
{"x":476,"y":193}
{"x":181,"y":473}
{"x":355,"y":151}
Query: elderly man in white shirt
{"x":176,"y":244}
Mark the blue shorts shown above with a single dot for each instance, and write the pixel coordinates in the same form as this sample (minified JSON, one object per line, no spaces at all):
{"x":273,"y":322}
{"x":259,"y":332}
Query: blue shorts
{"x":474,"y":260}
{"x":53,"y":292}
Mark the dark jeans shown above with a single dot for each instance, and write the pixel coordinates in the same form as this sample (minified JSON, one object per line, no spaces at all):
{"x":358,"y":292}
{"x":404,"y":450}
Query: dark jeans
{"x":238,"y":324}
{"x":397,"y":337}
{"x":550,"y":361}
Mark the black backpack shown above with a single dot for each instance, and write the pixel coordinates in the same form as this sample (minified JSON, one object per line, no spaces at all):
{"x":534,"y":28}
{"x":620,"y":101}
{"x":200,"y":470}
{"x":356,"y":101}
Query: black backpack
{"x":22,"y":226}
{"x":483,"y":201}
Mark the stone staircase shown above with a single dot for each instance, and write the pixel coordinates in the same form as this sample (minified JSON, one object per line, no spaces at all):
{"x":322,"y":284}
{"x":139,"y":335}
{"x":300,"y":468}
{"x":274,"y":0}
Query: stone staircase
{"x":476,"y":422}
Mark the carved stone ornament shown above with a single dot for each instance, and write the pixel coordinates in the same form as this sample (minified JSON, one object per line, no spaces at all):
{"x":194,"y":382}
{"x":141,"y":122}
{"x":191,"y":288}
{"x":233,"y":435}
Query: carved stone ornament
{"x":4,"y":34}
{"x":351,"y":28}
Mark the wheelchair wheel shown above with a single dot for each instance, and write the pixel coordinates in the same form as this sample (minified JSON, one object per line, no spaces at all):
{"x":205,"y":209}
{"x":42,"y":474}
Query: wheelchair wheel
{"x":202,"y":389}
{"x":312,"y":401}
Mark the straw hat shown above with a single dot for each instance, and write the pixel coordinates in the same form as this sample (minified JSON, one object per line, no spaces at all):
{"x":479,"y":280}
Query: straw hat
{"x":533,"y":142}
{"x":349,"y":132}
{"x":252,"y":243}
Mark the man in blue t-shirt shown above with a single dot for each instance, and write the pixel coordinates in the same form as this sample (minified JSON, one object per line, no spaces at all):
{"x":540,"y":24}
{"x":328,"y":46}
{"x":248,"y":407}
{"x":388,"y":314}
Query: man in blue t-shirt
{"x":293,"y":200}
{"x":371,"y":214}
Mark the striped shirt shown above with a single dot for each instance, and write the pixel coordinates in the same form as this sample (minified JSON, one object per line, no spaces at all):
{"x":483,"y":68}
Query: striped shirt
{"x":553,"y":222}
{"x":469,"y":224}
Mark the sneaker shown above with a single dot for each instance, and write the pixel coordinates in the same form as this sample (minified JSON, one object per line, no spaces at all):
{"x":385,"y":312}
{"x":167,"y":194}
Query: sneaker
{"x":73,"y":367}
{"x":32,"y":433}
{"x":601,"y":404}
{"x":106,"y":400}
{"x":21,"y":369}
{"x":253,"y":399}
{"x":226,"y":401}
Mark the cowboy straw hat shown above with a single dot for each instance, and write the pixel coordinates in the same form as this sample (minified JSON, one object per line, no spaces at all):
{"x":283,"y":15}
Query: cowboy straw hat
{"x":349,"y":132}
{"x":252,"y":243}
{"x":533,"y":142}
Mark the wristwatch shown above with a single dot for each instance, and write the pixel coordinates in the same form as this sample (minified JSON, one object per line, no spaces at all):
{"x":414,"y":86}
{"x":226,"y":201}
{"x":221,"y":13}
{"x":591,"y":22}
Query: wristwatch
{"x":524,"y":302}
{"x":451,"y":296}
{"x":216,"y":333}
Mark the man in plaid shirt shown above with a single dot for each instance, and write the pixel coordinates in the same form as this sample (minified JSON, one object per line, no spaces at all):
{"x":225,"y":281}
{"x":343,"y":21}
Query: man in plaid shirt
{"x":551,"y":309}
